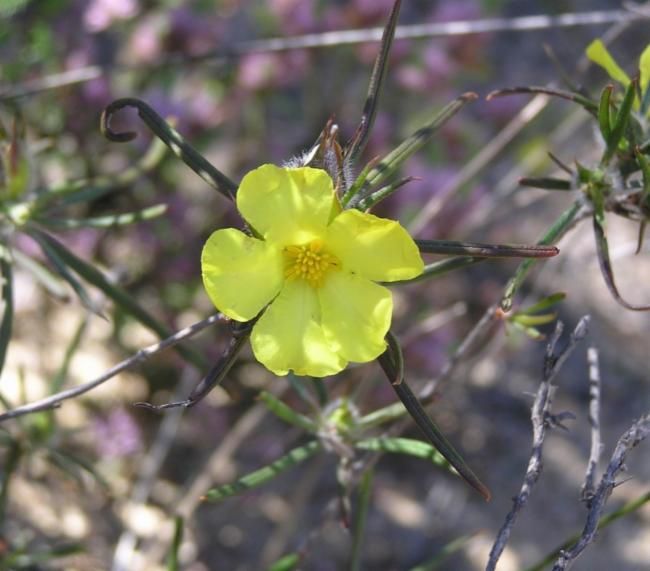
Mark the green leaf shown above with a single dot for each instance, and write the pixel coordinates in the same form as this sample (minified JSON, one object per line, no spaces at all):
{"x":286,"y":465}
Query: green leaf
{"x":390,"y":365}
{"x":286,"y":413}
{"x":437,"y":269}
{"x":173,"y":563}
{"x":62,"y":269}
{"x":552,"y":235}
{"x":95,"y":277}
{"x":407,"y":446}
{"x":644,"y":70}
{"x":106,"y":221}
{"x":447,"y":247}
{"x":598,"y":53}
{"x":544,"y":303}
{"x":532,"y":320}
{"x":546,"y":183}
{"x":620,"y":122}
{"x":602,"y":251}
{"x":49,"y":280}
{"x":393,"y":160}
{"x":384,"y":192}
{"x":265,"y":474}
{"x":361,"y":517}
{"x":360,"y":138}
{"x":287,"y":563}
{"x":604,"y":113}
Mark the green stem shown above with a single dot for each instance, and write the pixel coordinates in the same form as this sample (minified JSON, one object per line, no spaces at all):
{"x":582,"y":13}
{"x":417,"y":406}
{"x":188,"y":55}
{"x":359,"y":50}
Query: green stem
{"x":554,"y":233}
{"x":263,"y":475}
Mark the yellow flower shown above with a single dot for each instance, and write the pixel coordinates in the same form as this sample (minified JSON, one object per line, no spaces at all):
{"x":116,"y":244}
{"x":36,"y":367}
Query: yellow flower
{"x":314,"y":267}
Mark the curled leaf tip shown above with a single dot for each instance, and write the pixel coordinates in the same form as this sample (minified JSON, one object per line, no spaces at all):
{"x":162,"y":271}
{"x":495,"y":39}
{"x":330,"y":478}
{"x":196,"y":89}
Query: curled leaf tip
{"x":105,"y":124}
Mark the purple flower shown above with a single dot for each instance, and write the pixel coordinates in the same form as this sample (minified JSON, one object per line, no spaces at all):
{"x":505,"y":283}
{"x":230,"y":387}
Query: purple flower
{"x":100,"y":14}
{"x":117,"y":434}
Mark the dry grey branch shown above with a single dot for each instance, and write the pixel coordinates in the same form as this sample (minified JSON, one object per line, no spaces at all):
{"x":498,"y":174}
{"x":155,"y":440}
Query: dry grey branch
{"x":55,"y":400}
{"x":588,"y":488}
{"x":540,"y":417}
{"x":633,"y":436}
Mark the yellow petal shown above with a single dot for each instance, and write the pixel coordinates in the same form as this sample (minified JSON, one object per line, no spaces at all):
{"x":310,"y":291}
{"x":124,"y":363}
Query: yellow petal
{"x":241,"y":274}
{"x":289,"y":335}
{"x":356,"y":315}
{"x":375,"y":248}
{"x":599,"y":54}
{"x":287,"y":205}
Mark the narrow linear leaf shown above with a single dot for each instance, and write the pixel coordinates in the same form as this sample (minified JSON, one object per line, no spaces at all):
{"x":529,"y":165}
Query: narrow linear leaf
{"x":360,"y":138}
{"x":598,"y":53}
{"x":52,"y":254}
{"x":59,"y":378}
{"x":546,"y":183}
{"x":166,"y":133}
{"x":382,"y":416}
{"x":544,"y":303}
{"x":6,"y":325}
{"x":621,"y":121}
{"x":602,"y":250}
{"x":106,"y":221}
{"x":286,"y":413}
{"x":173,"y":562}
{"x":49,"y":280}
{"x":554,"y":233}
{"x":384,"y":192}
{"x":533,"y":320}
{"x":393,"y":160}
{"x":604,"y":113}
{"x":588,"y":104}
{"x":358,"y":183}
{"x":407,"y":446}
{"x":440,"y":268}
{"x":432,"y":433}
{"x":475,"y":249}
{"x":263,"y":475}
{"x":95,"y":277}
{"x":31,"y":560}
{"x":85,"y":190}
{"x":360,"y":520}
{"x":71,"y":464}
{"x":287,"y":563}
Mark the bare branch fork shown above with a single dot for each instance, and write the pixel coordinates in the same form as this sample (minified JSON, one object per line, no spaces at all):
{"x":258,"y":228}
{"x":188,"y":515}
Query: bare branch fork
{"x":631,"y":438}
{"x":55,"y":400}
{"x":541,"y":419}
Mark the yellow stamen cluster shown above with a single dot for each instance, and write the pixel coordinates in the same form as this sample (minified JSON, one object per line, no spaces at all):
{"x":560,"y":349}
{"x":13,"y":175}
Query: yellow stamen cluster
{"x":308,"y":262}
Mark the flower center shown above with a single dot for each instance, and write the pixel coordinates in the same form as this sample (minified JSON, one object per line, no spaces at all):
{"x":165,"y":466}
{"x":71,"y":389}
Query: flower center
{"x":308,"y":262}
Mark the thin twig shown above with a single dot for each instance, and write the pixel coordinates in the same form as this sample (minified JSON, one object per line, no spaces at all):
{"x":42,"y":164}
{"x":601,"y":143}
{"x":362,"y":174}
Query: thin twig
{"x":588,"y":488}
{"x":633,"y":436}
{"x":340,"y":38}
{"x":55,"y":400}
{"x":148,"y":472}
{"x":540,"y":417}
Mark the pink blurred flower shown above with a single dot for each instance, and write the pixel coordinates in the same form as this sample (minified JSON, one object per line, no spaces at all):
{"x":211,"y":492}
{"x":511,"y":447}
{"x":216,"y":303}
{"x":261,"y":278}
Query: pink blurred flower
{"x":295,"y":16}
{"x":117,"y":434}
{"x":100,"y":14}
